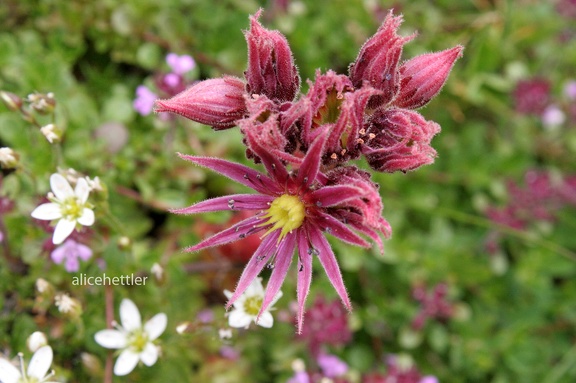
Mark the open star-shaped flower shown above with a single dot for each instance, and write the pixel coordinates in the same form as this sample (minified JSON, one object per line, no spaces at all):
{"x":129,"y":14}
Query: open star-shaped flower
{"x":69,"y":206}
{"x":247,"y":307}
{"x":135,"y":341}
{"x":293,"y":210}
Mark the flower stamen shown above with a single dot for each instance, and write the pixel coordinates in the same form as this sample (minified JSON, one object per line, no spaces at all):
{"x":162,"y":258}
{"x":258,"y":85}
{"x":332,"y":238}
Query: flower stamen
{"x":286,"y":212}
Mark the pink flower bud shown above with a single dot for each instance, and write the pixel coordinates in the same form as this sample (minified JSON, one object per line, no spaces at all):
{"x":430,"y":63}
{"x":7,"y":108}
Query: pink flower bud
{"x":271,"y":69}
{"x":423,"y":76}
{"x":400,"y":140}
{"x":377,"y":62}
{"x":216,"y":102}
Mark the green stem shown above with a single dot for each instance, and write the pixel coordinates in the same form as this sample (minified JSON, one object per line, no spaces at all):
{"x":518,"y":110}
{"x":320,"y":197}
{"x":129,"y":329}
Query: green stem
{"x":567,"y":362}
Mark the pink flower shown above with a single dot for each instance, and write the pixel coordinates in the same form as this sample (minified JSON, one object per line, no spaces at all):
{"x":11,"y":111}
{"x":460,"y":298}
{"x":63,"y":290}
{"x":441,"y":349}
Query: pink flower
{"x":293,"y":209}
{"x":144,"y":102}
{"x":70,"y":252}
{"x":532,"y":96}
{"x":215,"y":102}
{"x":331,"y":365}
{"x":180,"y":64}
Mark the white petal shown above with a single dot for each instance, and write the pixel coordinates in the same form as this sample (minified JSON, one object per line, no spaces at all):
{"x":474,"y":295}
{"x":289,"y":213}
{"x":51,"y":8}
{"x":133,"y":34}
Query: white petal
{"x":239,"y":319}
{"x":228,"y":294}
{"x":47,"y":212}
{"x":60,"y":187}
{"x":110,"y":339}
{"x":87,"y":218}
{"x":40,"y":363}
{"x":129,"y":315}
{"x":156,"y":326}
{"x":8,"y":372}
{"x":255,"y":288}
{"x":82,"y":190}
{"x":266,"y":320}
{"x":150,"y":354}
{"x":125,"y":363}
{"x":63,"y":229}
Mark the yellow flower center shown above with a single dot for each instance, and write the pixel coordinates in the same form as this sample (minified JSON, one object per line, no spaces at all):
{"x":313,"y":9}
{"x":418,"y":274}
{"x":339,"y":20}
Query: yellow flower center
{"x":252,"y":305}
{"x":286,"y":212}
{"x":71,"y":209}
{"x":138,"y":341}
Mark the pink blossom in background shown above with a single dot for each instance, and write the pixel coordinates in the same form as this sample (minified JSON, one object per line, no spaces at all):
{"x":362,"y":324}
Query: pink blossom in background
{"x":180,"y":64}
{"x":331,"y":365}
{"x":570,"y":90}
{"x":532,"y":96}
{"x":433,"y":304}
{"x":71,"y":252}
{"x":553,"y":116}
{"x":144,"y":102}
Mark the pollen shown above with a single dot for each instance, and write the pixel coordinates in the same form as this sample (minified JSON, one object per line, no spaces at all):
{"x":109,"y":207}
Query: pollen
{"x":287,"y":213}
{"x":71,"y":209}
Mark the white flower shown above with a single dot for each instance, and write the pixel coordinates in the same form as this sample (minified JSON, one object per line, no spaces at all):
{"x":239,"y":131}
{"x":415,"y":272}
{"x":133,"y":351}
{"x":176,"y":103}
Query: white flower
{"x":52,"y":133}
{"x":68,"y":206}
{"x":8,"y":158}
{"x":247,"y":307}
{"x":37,"y":369}
{"x":135,"y":340}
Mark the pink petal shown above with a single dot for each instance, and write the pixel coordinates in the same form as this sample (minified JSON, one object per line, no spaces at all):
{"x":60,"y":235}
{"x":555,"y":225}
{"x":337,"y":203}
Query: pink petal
{"x":326,"y":256}
{"x":281,"y":265}
{"x":230,"y":202}
{"x":234,"y":233}
{"x":334,"y":195}
{"x":255,"y":265}
{"x":304,"y":275}
{"x":273,"y":165}
{"x":312,"y":161}
{"x":332,"y":226}
{"x":236,"y":172}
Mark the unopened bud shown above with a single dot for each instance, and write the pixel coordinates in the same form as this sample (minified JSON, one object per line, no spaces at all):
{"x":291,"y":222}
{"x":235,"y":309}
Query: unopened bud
{"x":12,"y":101}
{"x":158,"y":272}
{"x":423,"y":76}
{"x":8,"y":158}
{"x":43,"y":286}
{"x":36,"y":340}
{"x":217,"y":102}
{"x":52,"y":133}
{"x":124,"y":243}
{"x":225,"y":333}
{"x":183,"y":327}
{"x":42,"y":103}
{"x":377,"y":61}
{"x":91,"y":363}
{"x":271,"y":69}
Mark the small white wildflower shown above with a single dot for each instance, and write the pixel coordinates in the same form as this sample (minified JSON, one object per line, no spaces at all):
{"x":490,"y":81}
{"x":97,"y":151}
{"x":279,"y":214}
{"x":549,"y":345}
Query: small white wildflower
{"x":135,"y":340}
{"x":94,"y":184}
{"x":36,"y":372}
{"x":52,"y":133}
{"x":68,"y":206}
{"x":36,"y":340}
{"x":225,"y":333}
{"x":42,"y":285}
{"x":247,"y":307}
{"x":157,"y":271}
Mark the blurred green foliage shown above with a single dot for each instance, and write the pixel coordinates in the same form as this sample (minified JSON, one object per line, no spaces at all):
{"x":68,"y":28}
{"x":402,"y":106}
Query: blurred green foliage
{"x":515,"y":316}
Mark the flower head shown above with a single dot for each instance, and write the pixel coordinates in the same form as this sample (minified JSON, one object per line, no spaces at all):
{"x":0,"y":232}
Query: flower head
{"x":180,"y":64}
{"x":293,"y":210}
{"x":8,"y":158}
{"x":135,"y":341}
{"x":69,"y":253}
{"x":69,"y":206}
{"x":36,"y":372}
{"x":247,"y":307}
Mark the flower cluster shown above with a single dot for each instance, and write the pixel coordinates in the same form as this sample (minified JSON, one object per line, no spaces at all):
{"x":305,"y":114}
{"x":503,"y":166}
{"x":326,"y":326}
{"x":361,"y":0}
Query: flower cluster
{"x":305,"y":143}
{"x":540,"y":200}
{"x":434,"y":304}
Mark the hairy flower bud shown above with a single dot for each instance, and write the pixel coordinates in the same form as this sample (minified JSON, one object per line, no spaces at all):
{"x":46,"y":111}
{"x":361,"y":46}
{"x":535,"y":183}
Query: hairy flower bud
{"x":271,"y":69}
{"x":400,"y":140}
{"x":12,"y":101}
{"x":42,"y":103}
{"x":52,"y":133}
{"x":423,"y":76}
{"x":377,"y":62}
{"x":216,"y":102}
